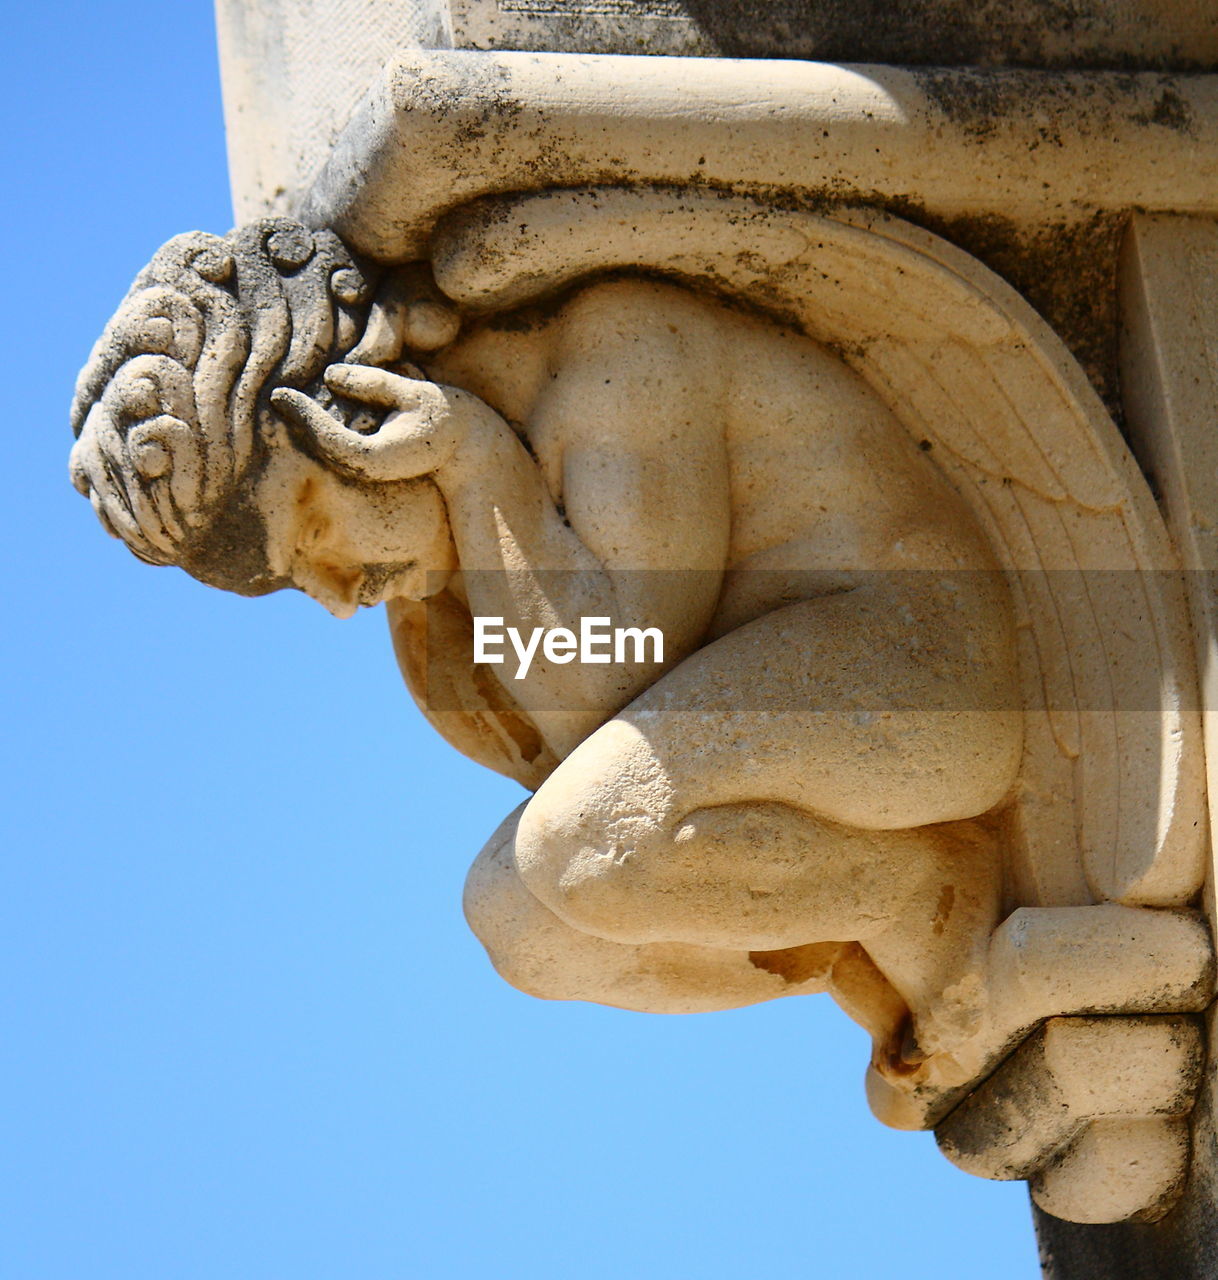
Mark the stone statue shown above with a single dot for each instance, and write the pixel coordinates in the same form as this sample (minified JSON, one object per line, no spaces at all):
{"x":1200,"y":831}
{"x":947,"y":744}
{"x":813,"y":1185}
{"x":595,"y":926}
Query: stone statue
{"x":674,"y":463}
{"x":835,"y":778}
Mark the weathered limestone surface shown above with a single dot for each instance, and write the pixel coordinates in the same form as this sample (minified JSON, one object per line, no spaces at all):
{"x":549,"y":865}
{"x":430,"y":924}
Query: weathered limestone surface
{"x":722,"y":352}
{"x":294,"y":70}
{"x":1121,"y":35}
{"x":1168,"y":274}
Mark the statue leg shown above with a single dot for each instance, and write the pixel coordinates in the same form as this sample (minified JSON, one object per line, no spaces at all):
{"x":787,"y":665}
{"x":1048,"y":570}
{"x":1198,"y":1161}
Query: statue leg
{"x":764,"y":881}
{"x":544,"y":956}
{"x":692,"y":817}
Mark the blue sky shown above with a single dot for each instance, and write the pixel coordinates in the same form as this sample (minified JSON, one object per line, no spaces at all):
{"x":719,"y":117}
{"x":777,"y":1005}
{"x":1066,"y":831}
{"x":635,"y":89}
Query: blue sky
{"x":248,"y":1033}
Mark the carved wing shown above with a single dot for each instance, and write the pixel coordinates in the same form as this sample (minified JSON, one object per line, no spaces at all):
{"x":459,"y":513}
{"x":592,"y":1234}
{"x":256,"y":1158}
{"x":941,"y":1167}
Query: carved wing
{"x":1111,"y":797}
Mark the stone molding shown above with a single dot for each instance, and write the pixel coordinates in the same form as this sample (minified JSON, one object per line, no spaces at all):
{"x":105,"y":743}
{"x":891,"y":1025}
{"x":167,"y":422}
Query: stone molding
{"x":439,"y":129}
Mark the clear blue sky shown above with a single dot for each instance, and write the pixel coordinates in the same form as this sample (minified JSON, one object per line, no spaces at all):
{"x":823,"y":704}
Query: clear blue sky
{"x":247,"y":1034}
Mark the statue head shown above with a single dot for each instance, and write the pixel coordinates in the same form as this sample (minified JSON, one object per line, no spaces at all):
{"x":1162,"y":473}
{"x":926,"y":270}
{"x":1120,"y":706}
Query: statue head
{"x":185,"y":459}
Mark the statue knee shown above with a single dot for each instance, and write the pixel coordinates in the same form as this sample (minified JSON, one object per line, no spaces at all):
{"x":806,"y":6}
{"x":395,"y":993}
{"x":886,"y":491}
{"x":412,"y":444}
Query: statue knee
{"x":592,"y":870}
{"x":524,"y":942}
{"x":540,"y":954}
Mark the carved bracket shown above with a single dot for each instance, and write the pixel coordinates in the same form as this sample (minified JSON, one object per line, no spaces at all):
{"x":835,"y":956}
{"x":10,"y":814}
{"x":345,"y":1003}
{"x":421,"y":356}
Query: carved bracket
{"x":924,"y":732}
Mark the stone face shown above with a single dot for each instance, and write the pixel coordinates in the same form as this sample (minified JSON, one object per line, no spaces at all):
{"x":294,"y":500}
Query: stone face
{"x":658,"y":345}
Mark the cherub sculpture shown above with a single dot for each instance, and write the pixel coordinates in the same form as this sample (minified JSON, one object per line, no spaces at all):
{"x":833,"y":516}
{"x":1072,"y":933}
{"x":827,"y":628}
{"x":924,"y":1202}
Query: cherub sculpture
{"x":817,"y":789}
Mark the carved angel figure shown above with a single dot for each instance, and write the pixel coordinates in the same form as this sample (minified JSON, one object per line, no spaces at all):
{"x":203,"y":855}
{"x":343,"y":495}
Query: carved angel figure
{"x":818,"y":789}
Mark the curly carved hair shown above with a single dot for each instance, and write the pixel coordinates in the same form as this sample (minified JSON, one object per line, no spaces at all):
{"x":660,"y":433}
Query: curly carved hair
{"x":171,"y":409}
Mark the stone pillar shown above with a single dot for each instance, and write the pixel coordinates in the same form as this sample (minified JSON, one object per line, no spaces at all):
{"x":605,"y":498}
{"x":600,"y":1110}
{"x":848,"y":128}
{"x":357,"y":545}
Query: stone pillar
{"x":1168,"y":287}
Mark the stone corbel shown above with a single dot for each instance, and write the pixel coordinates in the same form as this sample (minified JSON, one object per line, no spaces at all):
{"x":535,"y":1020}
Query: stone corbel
{"x":364,"y":358}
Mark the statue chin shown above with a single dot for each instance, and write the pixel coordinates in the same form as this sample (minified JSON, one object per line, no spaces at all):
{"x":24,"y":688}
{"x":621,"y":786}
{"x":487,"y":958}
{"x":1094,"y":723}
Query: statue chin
{"x":416,"y":584}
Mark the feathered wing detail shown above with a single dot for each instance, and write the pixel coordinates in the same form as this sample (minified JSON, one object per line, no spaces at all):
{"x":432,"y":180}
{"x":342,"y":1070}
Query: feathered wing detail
{"x":1111,"y":795}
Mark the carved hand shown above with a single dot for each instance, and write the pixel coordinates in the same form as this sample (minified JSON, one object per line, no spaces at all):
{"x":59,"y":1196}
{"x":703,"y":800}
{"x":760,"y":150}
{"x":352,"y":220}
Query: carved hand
{"x":425,"y":428}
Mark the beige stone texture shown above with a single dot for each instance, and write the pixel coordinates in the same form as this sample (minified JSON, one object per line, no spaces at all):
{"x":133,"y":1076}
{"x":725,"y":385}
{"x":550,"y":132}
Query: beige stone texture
{"x":439,"y":129}
{"x":293,"y":72}
{"x":560,"y":338}
{"x":1118,"y":1170}
{"x":582,"y":26}
{"x":1091,"y":1110}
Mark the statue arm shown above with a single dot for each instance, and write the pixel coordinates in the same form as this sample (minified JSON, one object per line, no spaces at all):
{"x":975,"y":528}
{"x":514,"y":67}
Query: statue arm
{"x":632,"y":526}
{"x":463,"y":700}
{"x":640,"y":539}
{"x":627,"y":516}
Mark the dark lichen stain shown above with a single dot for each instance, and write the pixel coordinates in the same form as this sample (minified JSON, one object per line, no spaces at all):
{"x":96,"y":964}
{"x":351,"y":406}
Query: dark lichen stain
{"x":1170,"y":111}
{"x":1067,"y":270}
{"x":1090,"y":34}
{"x":979,"y":102}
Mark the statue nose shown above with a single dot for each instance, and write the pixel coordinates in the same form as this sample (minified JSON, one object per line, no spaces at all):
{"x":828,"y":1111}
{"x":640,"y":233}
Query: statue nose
{"x":333,"y":604}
